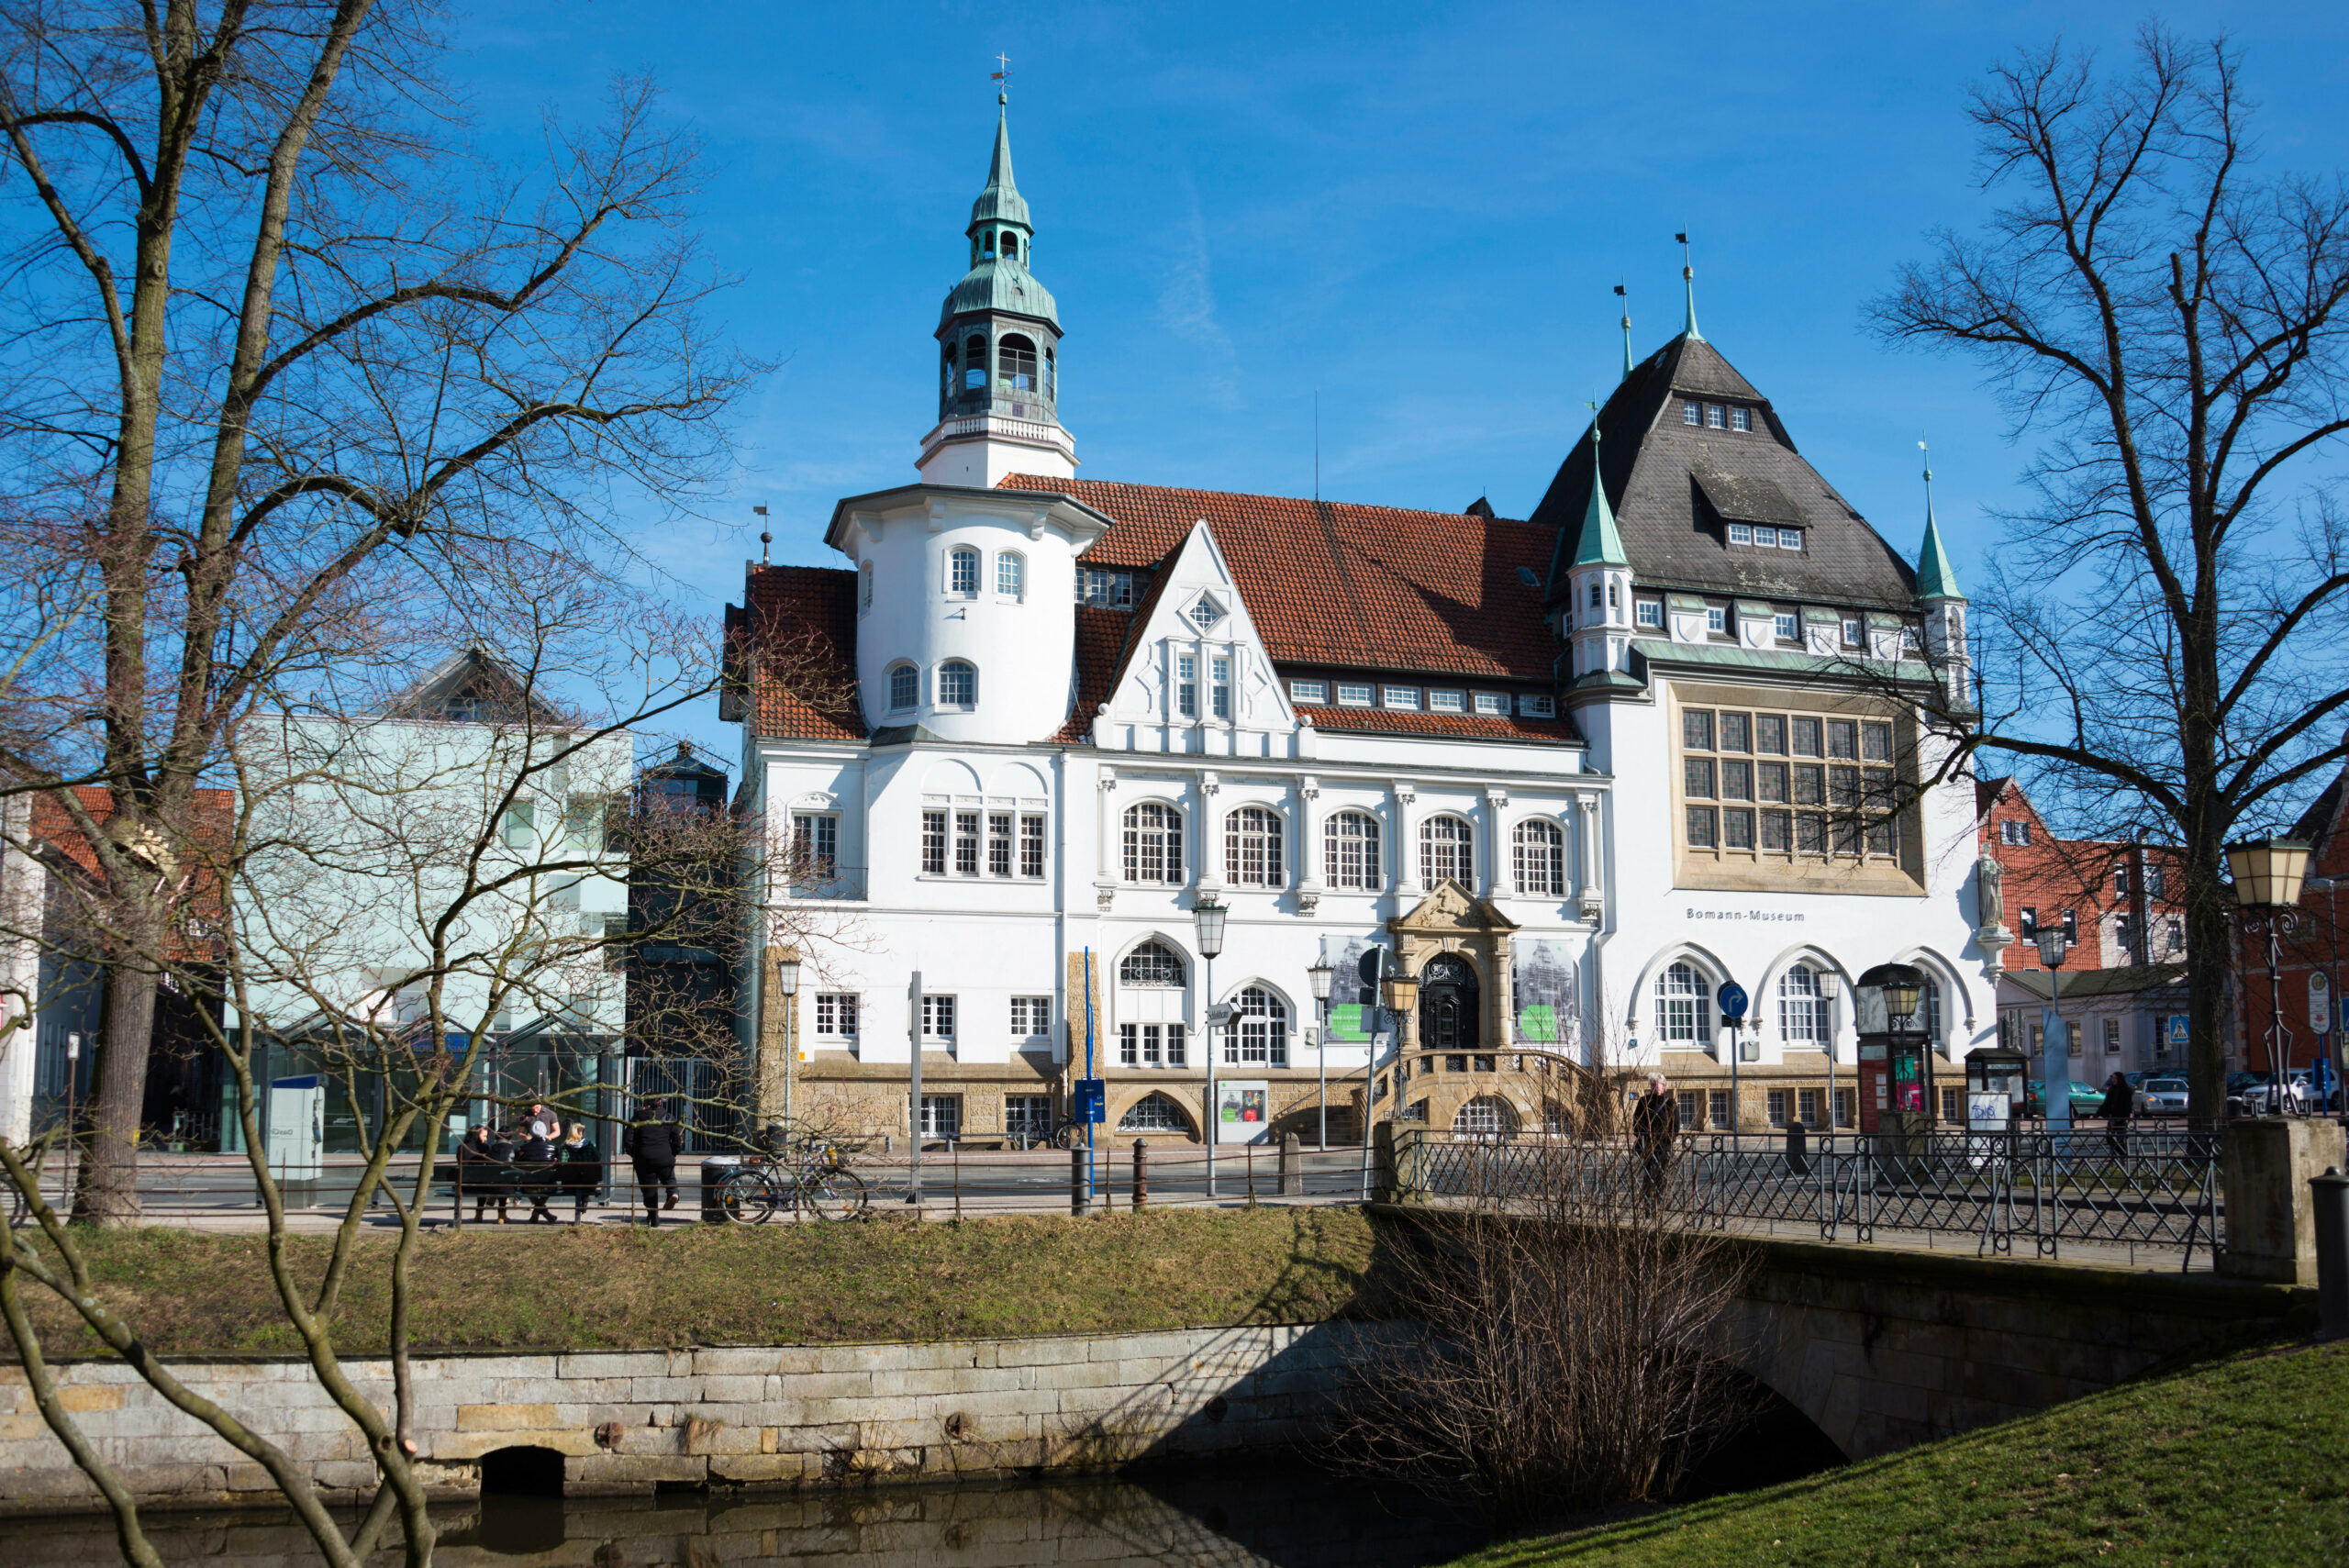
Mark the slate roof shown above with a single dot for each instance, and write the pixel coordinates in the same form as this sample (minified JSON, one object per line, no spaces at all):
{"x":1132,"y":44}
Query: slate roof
{"x":1373,"y":588}
{"x":1673,"y":485}
{"x":797,"y":632}
{"x":2080,"y":983}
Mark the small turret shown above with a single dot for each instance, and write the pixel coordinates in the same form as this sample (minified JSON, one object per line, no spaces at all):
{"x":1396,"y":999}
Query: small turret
{"x":1943,"y":604}
{"x":1599,"y":604}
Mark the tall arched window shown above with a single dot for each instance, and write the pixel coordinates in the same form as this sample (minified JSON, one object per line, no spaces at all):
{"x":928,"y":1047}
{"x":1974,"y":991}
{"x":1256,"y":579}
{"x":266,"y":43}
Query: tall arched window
{"x":1010,"y":246}
{"x":1541,"y":859}
{"x":962,"y":572}
{"x":1447,"y":848}
{"x":1010,"y":574}
{"x":1052,"y":375}
{"x":1152,"y":963}
{"x":905,"y":687}
{"x":1251,"y":849}
{"x":865,"y":585}
{"x":1932,"y":1008}
{"x":958,"y":685}
{"x":1682,"y":1011}
{"x":974,"y":365}
{"x":946,"y":368}
{"x":986,"y":244}
{"x":1259,"y":1031}
{"x":1802,"y":1006}
{"x":1016,"y":362}
{"x":1153,"y":843}
{"x":1351,"y":840}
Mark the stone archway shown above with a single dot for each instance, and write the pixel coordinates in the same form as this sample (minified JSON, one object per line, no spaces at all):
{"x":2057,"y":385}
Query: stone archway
{"x":1448,"y":1010}
{"x":1452,"y":923}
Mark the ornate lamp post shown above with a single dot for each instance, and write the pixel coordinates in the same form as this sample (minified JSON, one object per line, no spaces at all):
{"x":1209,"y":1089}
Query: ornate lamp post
{"x":2053,"y":950}
{"x":1318,"y":973}
{"x":786,"y":985}
{"x":2267,"y":874}
{"x":1209,"y":916}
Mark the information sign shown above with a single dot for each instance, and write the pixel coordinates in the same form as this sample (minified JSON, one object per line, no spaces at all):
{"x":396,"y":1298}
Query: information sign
{"x":1091,"y":1100}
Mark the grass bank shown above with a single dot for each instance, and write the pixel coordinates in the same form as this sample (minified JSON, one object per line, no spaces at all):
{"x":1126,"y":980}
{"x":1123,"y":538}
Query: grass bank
{"x":2234,"y":1462}
{"x":599,"y":1287}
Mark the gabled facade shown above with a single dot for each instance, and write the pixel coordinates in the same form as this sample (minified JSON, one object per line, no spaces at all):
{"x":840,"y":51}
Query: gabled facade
{"x":1582,"y":770}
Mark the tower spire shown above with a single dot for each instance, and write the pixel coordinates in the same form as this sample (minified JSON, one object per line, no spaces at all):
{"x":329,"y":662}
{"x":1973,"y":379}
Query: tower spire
{"x":1935,"y":577}
{"x":1627,"y":328}
{"x":1600,"y":544}
{"x":1688,"y":279}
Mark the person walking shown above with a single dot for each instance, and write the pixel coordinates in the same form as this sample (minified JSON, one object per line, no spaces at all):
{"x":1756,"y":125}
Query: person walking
{"x":535,"y":1164}
{"x":653,"y":1147}
{"x":1656,"y":1123}
{"x":583,"y":1170}
{"x":2120,"y":1104}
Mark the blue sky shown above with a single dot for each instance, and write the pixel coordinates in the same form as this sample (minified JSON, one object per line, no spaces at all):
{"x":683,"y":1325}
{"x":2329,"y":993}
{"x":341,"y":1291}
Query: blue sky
{"x":1420,"y":211}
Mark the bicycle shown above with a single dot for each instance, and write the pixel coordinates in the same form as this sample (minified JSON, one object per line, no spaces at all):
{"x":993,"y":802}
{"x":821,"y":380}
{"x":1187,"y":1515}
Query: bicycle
{"x":1065,"y":1134}
{"x":819,"y":1179}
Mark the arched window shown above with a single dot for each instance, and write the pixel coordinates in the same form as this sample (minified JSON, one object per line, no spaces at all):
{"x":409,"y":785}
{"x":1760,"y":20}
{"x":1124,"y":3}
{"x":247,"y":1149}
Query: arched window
{"x":1541,"y":859}
{"x":1016,"y":362}
{"x":1152,"y":963}
{"x":1153,"y":1113}
{"x":1593,"y":595}
{"x":946,"y":368}
{"x":1010,"y":574}
{"x":1802,"y":1006}
{"x":1259,"y":1031}
{"x":1351,"y":838}
{"x":974,"y":365}
{"x":962,"y":572}
{"x":1486,"y":1116}
{"x":986,"y":243}
{"x":1682,"y":1011}
{"x":1052,"y":375}
{"x":958,"y":685}
{"x":1932,"y":1008}
{"x":905,"y":689}
{"x":1010,"y":247}
{"x":1153,"y":843}
{"x":865,"y":585}
{"x":1251,"y":849}
{"x":1447,"y":848}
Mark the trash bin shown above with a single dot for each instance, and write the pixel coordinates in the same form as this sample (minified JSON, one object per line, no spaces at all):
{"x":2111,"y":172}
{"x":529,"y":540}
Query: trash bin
{"x":713,"y":1171}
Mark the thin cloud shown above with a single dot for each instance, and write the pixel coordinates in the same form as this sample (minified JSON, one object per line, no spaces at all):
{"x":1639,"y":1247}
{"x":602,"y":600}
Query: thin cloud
{"x":1186,"y":305}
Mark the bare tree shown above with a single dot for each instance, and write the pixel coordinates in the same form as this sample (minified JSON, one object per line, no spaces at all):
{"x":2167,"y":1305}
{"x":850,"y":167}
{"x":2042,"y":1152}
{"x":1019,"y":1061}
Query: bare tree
{"x":281,"y":352}
{"x":2167,"y":625}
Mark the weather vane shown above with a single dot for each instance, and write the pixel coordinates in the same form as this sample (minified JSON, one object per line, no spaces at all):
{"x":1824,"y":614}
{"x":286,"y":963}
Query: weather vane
{"x":1002,"y":73}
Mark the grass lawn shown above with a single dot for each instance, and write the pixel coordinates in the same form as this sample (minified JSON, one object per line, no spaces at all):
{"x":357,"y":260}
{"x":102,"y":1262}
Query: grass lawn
{"x":2234,"y":1462}
{"x":599,"y":1287}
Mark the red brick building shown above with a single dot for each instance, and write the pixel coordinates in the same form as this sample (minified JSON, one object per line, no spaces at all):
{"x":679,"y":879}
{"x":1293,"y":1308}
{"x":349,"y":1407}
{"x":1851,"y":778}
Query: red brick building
{"x":2116,"y":892}
{"x":2309,"y":970}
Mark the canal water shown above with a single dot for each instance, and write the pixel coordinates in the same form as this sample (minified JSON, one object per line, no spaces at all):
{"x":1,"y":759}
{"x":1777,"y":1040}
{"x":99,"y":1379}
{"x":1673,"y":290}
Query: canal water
{"x":1227,"y":1517}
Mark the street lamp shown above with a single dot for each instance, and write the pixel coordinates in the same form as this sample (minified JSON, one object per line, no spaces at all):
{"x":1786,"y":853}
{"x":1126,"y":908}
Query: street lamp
{"x":2053,"y":950}
{"x":787,"y":982}
{"x":1209,"y":916}
{"x":2267,"y":874}
{"x":1318,"y":973}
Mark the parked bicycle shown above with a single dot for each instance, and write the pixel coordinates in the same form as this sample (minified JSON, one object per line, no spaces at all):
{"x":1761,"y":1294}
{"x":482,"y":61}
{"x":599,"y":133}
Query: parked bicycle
{"x":1065,"y":1134}
{"x":814,"y":1176}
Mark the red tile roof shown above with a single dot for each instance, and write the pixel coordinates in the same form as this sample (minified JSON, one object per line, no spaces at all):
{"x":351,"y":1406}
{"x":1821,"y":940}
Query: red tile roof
{"x":212,"y":827}
{"x":1101,"y":638}
{"x":1463,"y":726}
{"x":1364,"y":587}
{"x":801,"y":683}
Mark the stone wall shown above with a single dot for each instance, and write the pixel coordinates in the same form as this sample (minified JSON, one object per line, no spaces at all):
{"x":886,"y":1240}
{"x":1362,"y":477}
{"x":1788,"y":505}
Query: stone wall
{"x":762,"y":1415}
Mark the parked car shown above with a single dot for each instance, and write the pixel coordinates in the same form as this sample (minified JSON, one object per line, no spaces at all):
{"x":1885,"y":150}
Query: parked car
{"x":2087,"y":1099}
{"x":2305,"y":1080}
{"x":2263,"y":1098}
{"x":2162,"y":1096}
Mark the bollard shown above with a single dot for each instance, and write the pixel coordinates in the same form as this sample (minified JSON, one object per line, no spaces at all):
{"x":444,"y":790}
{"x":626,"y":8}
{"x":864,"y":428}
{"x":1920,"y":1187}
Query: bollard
{"x":2328,"y":1196}
{"x":1078,"y":1202}
{"x":1292,"y":1166}
{"x":1251,"y":1175}
{"x":1142,"y":1174}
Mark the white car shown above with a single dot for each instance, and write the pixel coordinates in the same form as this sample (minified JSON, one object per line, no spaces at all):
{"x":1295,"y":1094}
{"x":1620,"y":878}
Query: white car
{"x":2271,"y":1099}
{"x":2162,"y":1096}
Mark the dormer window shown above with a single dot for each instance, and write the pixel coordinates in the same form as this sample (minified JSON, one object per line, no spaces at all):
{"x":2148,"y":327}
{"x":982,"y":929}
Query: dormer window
{"x":1790,"y":627}
{"x":1690,"y":413}
{"x":1740,"y":418}
{"x":1650,"y":612}
{"x":1715,"y":416}
{"x":1854,"y":631}
{"x":1717,"y":620}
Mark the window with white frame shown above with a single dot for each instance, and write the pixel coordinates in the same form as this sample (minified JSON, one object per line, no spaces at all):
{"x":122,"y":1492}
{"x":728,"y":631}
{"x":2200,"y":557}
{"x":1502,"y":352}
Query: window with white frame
{"x":1153,"y":843}
{"x":958,"y":685}
{"x":1740,"y":533}
{"x":864,"y":587}
{"x":999,"y":843}
{"x":1206,"y":612}
{"x":1715,"y":416}
{"x":1187,"y":685}
{"x":1314,"y":693}
{"x":1493,"y":703}
{"x":1354,"y":693}
{"x":941,"y":1117}
{"x":1153,"y":1113}
{"x":1802,"y":1008}
{"x":1447,"y":702}
{"x":1855,"y":631}
{"x":1778,"y":1106}
{"x":1032,"y":1018}
{"x":1106,"y":590}
{"x":1532,"y":705}
{"x":1349,"y":842}
{"x":1817,"y":784}
{"x":962,"y":572}
{"x":1010,"y":574}
{"x":1648,"y":613}
{"x":1717,"y":619}
{"x":2014,"y":831}
{"x":933,"y":843}
{"x":1447,"y":848}
{"x":1690,"y":413}
{"x":1027,"y":1118}
{"x":1682,"y":1008}
{"x":1258,"y":1034}
{"x":1151,"y":1045}
{"x":1153,"y":963}
{"x":1031,"y":845}
{"x":815,"y":843}
{"x":905,"y":689}
{"x":836,"y":1015}
{"x":1251,"y":849}
{"x":1220,"y":686}
{"x":937,"y":1017}
{"x":1787,"y":627}
{"x":1406,"y":697}
{"x":966,"y":843}
{"x":1740,"y":418}
{"x":1539,"y":861}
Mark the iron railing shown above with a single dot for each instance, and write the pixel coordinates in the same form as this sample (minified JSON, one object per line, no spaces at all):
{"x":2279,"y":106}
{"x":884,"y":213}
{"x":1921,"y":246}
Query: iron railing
{"x":2139,"y":1188}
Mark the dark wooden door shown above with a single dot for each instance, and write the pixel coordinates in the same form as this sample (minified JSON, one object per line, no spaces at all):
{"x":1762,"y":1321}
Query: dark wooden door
{"x":1448,"y":1011}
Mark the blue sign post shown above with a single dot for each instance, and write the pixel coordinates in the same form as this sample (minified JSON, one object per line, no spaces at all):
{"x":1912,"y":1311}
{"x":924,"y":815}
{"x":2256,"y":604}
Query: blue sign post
{"x":1732,"y":1001}
{"x":1092,"y":1101}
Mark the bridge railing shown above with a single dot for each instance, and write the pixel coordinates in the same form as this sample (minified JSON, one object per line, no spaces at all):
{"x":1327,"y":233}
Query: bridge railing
{"x":2152,"y":1189}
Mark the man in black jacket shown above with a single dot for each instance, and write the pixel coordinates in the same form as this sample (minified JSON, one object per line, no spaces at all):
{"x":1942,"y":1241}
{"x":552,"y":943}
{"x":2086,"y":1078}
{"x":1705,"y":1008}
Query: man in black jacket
{"x":2120,"y":1104}
{"x":535,"y":1162}
{"x":1655,"y":1123}
{"x":653,"y":1147}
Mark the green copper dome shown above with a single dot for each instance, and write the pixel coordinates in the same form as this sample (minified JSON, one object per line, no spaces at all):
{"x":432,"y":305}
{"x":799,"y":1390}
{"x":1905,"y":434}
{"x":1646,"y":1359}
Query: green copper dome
{"x":1001,"y":201}
{"x":999,"y":222}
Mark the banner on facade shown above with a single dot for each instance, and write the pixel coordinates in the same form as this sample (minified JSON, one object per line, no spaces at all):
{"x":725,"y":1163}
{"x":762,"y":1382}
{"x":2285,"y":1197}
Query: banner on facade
{"x":1542,"y":977}
{"x":1352,"y":1009}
